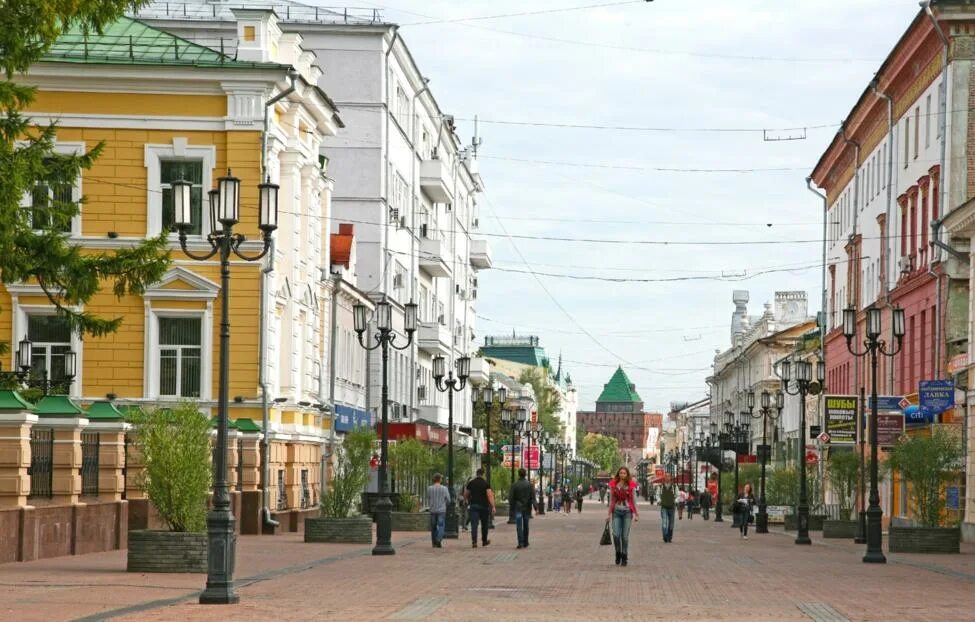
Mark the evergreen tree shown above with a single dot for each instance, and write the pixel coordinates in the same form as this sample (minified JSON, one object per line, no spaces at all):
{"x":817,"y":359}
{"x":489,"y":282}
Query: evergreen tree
{"x":33,"y":246}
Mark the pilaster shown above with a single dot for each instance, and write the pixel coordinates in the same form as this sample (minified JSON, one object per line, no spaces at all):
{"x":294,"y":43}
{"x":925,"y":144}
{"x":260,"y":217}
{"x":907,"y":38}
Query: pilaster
{"x":16,"y":420}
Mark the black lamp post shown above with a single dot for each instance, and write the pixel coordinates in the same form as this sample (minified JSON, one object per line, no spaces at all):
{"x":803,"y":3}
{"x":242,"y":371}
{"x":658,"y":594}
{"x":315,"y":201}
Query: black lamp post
{"x":765,"y":412}
{"x":800,"y":376}
{"x":491,"y":399}
{"x":384,"y":338}
{"x":716,"y":441}
{"x":225,"y":210}
{"x":540,"y":439}
{"x":451,"y":385}
{"x":737,"y":431}
{"x":874,"y":347}
{"x":512,"y":420}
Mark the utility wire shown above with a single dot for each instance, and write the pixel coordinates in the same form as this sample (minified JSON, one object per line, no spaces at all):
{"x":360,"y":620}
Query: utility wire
{"x":523,"y":13}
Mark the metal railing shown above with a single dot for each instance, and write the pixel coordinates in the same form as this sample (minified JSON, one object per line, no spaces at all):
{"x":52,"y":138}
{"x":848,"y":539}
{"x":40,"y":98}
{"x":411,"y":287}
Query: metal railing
{"x":282,"y":493}
{"x":305,"y":489}
{"x":288,"y":12}
{"x":41,"y":463}
{"x":240,"y":464}
{"x":89,"y":463}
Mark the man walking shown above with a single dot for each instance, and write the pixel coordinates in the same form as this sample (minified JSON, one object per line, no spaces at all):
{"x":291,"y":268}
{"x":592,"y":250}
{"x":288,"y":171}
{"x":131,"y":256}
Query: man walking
{"x":668,"y":499}
{"x":437,"y":497}
{"x":521,"y":499}
{"x":480,"y":501}
{"x":704,"y":498}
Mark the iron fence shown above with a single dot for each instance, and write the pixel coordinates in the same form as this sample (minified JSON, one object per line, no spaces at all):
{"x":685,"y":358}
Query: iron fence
{"x":240,"y":464}
{"x":282,"y":493}
{"x":89,"y":463}
{"x":305,"y":489}
{"x":42,"y":462}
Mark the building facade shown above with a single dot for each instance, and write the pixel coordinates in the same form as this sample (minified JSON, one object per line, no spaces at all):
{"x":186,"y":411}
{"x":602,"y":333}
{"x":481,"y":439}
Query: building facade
{"x":619,"y":413}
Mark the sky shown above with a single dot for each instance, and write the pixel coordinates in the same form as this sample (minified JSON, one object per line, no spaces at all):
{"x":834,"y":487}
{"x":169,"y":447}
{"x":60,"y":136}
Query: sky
{"x":733,"y":207}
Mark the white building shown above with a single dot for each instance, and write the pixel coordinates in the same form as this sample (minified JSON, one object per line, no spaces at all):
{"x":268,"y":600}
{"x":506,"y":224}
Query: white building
{"x":402,"y":178}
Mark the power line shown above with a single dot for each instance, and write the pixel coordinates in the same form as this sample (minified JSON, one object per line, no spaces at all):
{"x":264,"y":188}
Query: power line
{"x":655,"y":169}
{"x":523,"y":13}
{"x":639,"y":128}
{"x":676,"y":279}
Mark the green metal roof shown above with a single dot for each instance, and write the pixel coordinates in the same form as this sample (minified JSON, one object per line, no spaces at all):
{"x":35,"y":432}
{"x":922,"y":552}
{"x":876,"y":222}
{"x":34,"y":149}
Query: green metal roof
{"x":11,"y":400}
{"x":104,"y":411}
{"x":619,"y":389}
{"x":128,"y":41}
{"x":231,"y":423}
{"x":246,"y":425}
{"x":57,"y":406}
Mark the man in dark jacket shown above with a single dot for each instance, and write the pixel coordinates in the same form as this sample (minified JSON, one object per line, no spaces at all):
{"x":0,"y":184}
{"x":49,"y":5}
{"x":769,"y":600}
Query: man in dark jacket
{"x":668,"y":499}
{"x":522,"y":497}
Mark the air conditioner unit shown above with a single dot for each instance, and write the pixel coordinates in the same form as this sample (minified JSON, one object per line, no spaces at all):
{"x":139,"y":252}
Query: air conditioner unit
{"x":906,"y":264}
{"x":394,"y":213}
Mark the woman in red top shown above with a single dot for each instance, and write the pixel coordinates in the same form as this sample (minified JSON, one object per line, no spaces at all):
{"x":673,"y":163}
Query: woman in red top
{"x":622,"y":510}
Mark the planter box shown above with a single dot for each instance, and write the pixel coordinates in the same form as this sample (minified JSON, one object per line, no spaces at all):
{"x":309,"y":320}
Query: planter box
{"x":166,"y":551}
{"x":925,"y":540}
{"x":839,"y":529}
{"x":355,"y":530}
{"x":411,"y":521}
{"x":815,"y":522}
{"x":501,"y":508}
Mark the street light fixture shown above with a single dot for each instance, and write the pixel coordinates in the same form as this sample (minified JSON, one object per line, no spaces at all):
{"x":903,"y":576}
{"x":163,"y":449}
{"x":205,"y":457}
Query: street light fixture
{"x":766,"y":412}
{"x":451,"y":385}
{"x":799,"y":376}
{"x":384,"y":338}
{"x":737,"y":433}
{"x":225,"y":210}
{"x":540,"y":438}
{"x":513,"y":421}
{"x":874,"y":347}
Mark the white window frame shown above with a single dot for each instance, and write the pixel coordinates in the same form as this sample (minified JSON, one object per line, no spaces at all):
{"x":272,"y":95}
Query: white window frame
{"x":65,"y":148}
{"x":151,"y":380}
{"x":20,"y":331}
{"x":178,"y":150}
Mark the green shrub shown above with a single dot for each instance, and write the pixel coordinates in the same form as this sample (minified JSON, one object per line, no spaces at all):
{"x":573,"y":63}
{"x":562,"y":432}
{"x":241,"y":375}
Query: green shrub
{"x":842,"y":471}
{"x":175,"y":445}
{"x":927,"y":463}
{"x":351,"y":473}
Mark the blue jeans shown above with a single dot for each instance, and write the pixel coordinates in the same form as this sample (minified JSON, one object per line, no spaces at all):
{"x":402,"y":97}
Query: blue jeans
{"x":437,"y":521}
{"x":521,"y":526}
{"x":480,"y":515}
{"x":667,"y":523}
{"x":621,"y":528}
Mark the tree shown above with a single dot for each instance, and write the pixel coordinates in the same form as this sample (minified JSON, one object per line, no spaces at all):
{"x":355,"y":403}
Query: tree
{"x":548,"y":399}
{"x":602,"y":450}
{"x":33,"y":246}
{"x":927,"y":463}
{"x":842,"y":471}
{"x":351,"y":473}
{"x":410,"y":461}
{"x":175,"y":445}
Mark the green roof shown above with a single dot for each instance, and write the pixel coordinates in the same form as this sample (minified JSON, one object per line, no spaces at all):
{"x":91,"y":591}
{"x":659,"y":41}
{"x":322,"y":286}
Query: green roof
{"x":246,"y":425}
{"x":128,"y":41}
{"x":57,"y":406}
{"x":104,"y":411}
{"x":11,"y":400}
{"x":231,"y":423}
{"x":619,"y":389}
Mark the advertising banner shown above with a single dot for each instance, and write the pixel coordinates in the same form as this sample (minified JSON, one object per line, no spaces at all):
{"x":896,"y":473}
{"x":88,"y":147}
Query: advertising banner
{"x":890,"y":427}
{"x":530,"y":458}
{"x":841,"y":419}
{"x":511,"y":451}
{"x":936,"y":396}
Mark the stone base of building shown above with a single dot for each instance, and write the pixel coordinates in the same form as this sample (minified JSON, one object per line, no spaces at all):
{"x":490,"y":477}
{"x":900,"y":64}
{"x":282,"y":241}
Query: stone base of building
{"x":40,"y":532}
{"x":968,"y":532}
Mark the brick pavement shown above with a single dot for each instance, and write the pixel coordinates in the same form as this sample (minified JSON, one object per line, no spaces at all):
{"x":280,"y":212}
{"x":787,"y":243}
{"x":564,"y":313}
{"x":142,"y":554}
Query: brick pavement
{"x":707,"y":573}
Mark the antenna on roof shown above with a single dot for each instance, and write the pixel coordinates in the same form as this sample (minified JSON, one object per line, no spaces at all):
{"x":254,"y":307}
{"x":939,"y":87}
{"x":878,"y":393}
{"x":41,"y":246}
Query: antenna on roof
{"x":476,"y":140}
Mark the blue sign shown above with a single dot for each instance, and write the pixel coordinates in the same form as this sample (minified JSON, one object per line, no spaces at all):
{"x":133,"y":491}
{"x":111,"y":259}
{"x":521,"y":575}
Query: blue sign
{"x":951,"y":497}
{"x":913,"y":415}
{"x":936,"y":396}
{"x":348,"y":418}
{"x":888,"y":402}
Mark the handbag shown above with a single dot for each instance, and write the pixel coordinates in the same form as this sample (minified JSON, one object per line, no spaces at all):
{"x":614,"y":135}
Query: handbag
{"x":605,"y":539}
{"x":751,"y":518}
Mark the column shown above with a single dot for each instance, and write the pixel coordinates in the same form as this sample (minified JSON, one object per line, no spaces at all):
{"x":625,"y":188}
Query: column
{"x":16,"y":420}
{"x":66,"y":419}
{"x":110,"y":424}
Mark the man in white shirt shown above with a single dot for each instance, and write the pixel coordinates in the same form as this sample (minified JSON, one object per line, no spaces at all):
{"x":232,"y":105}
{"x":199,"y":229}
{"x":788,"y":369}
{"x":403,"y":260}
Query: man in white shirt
{"x":437,"y":498}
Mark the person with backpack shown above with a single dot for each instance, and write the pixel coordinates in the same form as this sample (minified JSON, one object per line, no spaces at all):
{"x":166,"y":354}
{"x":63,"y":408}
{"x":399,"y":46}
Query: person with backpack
{"x":668,"y":501}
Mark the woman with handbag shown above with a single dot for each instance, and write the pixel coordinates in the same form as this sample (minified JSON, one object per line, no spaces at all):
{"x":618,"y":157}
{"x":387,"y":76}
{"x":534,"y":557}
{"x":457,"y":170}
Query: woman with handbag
{"x":744,"y":505}
{"x":622,"y":511}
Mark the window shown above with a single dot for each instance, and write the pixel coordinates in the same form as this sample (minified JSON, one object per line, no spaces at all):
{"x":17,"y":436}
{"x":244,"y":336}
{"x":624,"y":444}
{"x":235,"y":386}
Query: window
{"x":941,"y":100}
{"x":917,"y":130}
{"x":907,"y":140}
{"x":44,"y":201}
{"x":927,"y":121}
{"x":50,"y":336}
{"x":191,"y":171}
{"x":884,"y":177}
{"x":180,"y":354}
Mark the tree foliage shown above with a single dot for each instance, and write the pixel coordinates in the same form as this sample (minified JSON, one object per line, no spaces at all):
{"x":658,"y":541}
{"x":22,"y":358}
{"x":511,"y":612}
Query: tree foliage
{"x":602,"y":450}
{"x":842,"y":472}
{"x":927,"y":463}
{"x":351,"y":473}
{"x":33,"y":245}
{"x":175,"y":446}
{"x":547,"y":397}
{"x":411,"y":463}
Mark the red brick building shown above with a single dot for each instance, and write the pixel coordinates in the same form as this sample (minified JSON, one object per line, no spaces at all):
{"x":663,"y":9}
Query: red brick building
{"x":619,"y":413}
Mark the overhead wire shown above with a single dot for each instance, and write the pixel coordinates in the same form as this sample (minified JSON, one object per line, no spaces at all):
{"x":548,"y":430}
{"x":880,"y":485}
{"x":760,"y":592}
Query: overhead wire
{"x":523,"y":13}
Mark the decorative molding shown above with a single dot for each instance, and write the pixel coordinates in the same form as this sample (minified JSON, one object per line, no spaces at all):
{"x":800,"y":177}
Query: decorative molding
{"x":203,"y":289}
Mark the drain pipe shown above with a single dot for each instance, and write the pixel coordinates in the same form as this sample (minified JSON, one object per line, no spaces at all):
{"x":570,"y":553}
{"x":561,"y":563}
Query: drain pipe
{"x":809,"y":186}
{"x":333,"y":353}
{"x":292,"y":76}
{"x":943,"y":206}
{"x":890,"y":206}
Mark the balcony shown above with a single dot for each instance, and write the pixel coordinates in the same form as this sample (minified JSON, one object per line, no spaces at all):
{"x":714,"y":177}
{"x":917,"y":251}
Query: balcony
{"x":434,"y":254}
{"x":436,"y":414}
{"x":434,"y":338}
{"x":481,"y":255}
{"x":480,"y":371}
{"x":435,"y":180}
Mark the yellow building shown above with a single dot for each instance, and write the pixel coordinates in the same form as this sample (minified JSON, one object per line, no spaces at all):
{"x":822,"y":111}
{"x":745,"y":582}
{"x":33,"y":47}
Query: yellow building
{"x":168,"y":109}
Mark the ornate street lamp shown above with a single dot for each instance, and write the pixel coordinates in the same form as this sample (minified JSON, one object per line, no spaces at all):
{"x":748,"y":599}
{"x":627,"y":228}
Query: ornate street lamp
{"x":799,"y":376}
{"x":737,"y":432}
{"x":540,"y":438}
{"x":451,"y":385}
{"x":874,"y":347}
{"x":225,"y":211}
{"x":717,"y":446}
{"x":384,"y":339}
{"x":513,"y":421}
{"x":765,"y":412}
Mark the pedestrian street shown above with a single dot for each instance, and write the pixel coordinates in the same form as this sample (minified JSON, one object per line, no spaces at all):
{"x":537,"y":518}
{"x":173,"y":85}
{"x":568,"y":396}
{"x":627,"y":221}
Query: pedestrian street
{"x":707,"y":573}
